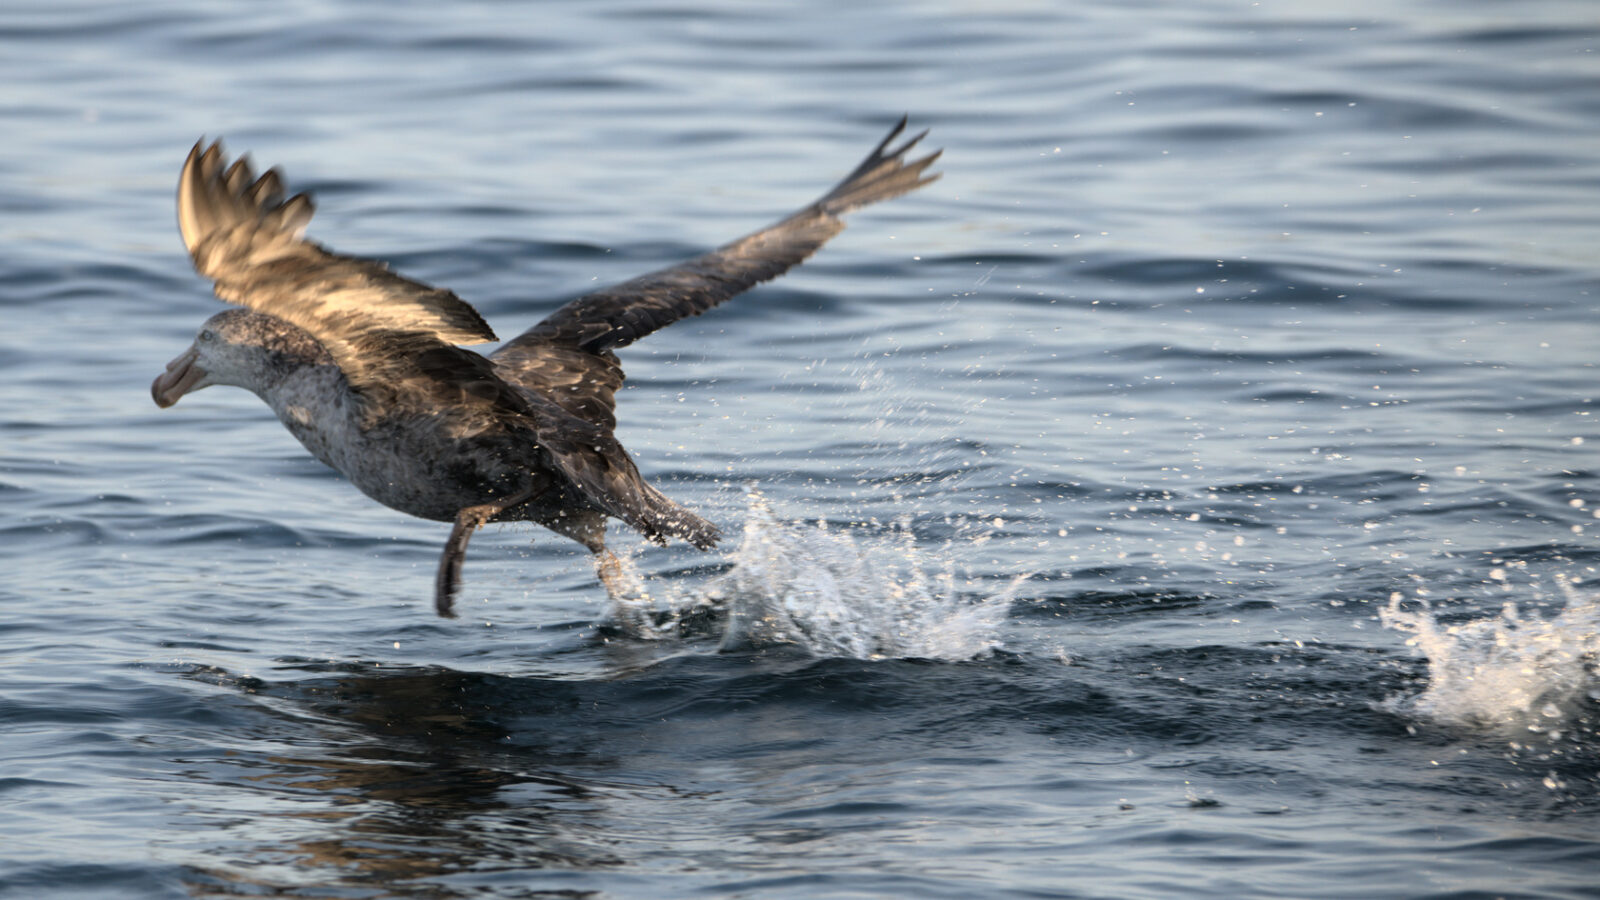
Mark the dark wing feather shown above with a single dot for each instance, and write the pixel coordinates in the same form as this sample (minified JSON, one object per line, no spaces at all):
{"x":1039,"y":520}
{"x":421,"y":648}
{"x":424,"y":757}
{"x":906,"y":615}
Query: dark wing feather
{"x":582,"y":383}
{"x":244,"y":236}
{"x":567,"y":356}
{"x":594,"y":460}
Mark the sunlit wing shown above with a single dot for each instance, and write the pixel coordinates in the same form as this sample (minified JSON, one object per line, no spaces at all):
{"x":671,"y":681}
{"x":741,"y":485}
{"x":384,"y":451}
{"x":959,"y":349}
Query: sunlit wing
{"x":244,"y":236}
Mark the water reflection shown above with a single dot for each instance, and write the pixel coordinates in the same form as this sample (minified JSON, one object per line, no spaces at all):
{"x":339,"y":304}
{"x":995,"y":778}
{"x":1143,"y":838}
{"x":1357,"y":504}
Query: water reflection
{"x":406,"y":783}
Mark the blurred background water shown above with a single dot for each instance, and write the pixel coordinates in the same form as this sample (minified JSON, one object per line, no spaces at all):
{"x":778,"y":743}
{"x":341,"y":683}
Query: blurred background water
{"x":1191,"y":494}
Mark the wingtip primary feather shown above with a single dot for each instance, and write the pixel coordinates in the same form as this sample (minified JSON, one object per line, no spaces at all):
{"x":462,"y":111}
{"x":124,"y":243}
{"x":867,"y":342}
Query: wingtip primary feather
{"x":267,"y":190}
{"x":896,"y":131}
{"x":189,"y":219}
{"x":215,"y":195}
{"x":884,"y":174}
{"x":239,"y":176}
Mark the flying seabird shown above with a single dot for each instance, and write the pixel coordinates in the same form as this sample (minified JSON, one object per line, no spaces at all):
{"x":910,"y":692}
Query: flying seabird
{"x":362,"y":365}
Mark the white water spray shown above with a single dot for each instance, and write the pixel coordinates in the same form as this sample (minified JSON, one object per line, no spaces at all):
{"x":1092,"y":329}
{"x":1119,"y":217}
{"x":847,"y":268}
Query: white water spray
{"x":1506,"y":670}
{"x":832,"y":594}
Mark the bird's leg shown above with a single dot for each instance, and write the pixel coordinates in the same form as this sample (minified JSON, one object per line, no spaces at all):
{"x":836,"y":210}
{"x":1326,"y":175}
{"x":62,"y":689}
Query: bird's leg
{"x":588,"y":527}
{"x":631,"y":607}
{"x":611,"y":573}
{"x":455,"y":549}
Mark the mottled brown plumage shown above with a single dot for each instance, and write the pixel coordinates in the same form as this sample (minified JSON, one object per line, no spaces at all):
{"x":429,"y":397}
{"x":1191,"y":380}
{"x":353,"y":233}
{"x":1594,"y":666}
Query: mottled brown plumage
{"x":362,"y":365}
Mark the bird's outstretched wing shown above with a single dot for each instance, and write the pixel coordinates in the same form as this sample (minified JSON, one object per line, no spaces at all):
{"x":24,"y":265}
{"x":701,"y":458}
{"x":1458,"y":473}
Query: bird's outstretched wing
{"x":244,"y":236}
{"x":568,"y":355}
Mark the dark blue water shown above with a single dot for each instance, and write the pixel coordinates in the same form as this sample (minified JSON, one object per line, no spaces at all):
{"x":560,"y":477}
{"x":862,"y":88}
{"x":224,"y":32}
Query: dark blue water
{"x":1193,"y":494}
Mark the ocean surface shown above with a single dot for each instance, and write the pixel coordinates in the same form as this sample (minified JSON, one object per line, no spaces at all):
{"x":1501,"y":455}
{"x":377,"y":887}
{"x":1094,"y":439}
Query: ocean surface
{"x":1194,"y":493}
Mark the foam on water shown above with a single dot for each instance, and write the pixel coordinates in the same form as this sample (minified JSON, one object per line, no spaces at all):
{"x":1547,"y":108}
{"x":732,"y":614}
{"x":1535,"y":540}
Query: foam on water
{"x":1506,"y":670}
{"x":829,"y":592}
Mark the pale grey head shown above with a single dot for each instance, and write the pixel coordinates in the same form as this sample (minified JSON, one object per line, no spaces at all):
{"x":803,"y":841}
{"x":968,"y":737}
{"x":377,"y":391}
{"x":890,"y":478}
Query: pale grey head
{"x":241,"y":348}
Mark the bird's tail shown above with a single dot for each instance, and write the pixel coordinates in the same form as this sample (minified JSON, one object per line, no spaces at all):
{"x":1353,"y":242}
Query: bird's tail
{"x":659,"y":518}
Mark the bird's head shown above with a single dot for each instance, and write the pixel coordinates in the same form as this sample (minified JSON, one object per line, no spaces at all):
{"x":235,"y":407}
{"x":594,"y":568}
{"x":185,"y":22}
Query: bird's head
{"x":240,"y":348}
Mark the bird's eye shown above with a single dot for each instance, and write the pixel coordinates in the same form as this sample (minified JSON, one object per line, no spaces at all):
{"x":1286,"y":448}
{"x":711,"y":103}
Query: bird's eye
{"x":207,"y":335}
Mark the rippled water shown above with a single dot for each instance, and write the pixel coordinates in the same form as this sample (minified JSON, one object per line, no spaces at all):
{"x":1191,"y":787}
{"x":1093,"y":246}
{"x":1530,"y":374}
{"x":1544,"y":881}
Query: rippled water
{"x":1191,"y":494}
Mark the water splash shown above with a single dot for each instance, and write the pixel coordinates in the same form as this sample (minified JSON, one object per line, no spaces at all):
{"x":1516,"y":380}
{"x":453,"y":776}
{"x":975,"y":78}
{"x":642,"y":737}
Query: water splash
{"x":830,"y":593}
{"x":1506,"y":670}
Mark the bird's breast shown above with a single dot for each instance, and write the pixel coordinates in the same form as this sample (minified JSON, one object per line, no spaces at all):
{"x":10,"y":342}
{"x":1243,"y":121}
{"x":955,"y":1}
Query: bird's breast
{"x":426,"y":463}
